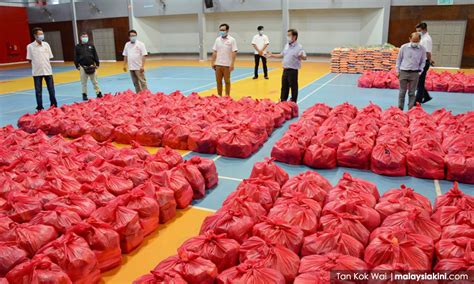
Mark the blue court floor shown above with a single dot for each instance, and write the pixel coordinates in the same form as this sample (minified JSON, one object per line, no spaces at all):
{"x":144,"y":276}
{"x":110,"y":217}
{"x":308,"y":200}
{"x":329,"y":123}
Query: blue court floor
{"x":332,"y":89}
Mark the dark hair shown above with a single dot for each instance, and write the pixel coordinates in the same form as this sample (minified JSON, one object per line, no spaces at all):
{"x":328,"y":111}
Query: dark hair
{"x":422,"y":26}
{"x":224,"y":25}
{"x":36,"y":30}
{"x":259,"y":28}
{"x":84,"y":33}
{"x":132,"y":31}
{"x":293,"y":32}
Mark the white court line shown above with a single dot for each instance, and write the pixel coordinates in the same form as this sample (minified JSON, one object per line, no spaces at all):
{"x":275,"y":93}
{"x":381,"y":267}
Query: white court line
{"x":216,"y":158}
{"x":437,"y":187}
{"x":320,"y":87}
{"x":179,"y":78}
{"x":204,"y":209}
{"x":230,"y":178}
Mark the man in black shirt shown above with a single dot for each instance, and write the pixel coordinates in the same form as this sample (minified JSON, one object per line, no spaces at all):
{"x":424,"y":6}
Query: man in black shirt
{"x":87,"y":61}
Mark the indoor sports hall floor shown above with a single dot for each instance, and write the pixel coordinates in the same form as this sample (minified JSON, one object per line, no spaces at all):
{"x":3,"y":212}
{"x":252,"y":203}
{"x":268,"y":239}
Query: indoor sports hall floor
{"x":316,"y":85}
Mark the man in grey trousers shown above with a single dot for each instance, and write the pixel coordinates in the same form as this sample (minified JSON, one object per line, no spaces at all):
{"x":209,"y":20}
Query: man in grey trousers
{"x":410,"y":63}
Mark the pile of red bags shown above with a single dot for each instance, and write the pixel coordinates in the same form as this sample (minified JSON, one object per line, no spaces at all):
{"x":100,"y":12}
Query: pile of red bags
{"x":458,"y":82}
{"x":275,"y":229}
{"x":69,"y":209}
{"x":389,"y":142}
{"x":233,"y":128}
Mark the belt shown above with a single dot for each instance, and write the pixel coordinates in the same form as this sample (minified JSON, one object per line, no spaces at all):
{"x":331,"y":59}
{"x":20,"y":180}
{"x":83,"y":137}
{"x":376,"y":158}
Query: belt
{"x":411,"y":71}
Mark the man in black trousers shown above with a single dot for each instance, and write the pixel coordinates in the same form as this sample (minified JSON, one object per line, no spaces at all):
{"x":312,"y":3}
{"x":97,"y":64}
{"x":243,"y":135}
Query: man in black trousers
{"x":422,"y":95}
{"x":260,"y":43}
{"x":87,"y":62}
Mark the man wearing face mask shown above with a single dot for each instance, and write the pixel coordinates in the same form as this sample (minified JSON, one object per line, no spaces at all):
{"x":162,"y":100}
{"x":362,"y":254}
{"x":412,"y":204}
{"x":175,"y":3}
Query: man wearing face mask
{"x":410,"y":63}
{"x":38,"y":53}
{"x":292,"y":55}
{"x":87,"y":61}
{"x":260,"y":43}
{"x":224,"y":53}
{"x":422,"y":95}
{"x":135,"y":54}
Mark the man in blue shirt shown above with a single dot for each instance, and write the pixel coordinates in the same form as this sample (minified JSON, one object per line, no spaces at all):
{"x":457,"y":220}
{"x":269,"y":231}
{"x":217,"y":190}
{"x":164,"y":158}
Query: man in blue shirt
{"x":410,"y":63}
{"x":292,"y":55}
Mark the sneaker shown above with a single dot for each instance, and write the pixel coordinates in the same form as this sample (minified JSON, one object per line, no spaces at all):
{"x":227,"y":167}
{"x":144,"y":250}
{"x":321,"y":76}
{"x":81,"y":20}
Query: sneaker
{"x":427,"y":100}
{"x":99,"y":95}
{"x":255,"y":77}
{"x":266,"y":77}
{"x":84,"y":97}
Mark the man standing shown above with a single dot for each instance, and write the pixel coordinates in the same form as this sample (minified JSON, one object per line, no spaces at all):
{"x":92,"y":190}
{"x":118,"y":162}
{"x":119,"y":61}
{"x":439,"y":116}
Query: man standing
{"x":87,"y":61}
{"x":38,"y":53}
{"x":260,"y":43}
{"x":135,"y":54}
{"x":422,"y":95}
{"x":224,"y":52}
{"x":410,"y":62}
{"x":292,"y":55}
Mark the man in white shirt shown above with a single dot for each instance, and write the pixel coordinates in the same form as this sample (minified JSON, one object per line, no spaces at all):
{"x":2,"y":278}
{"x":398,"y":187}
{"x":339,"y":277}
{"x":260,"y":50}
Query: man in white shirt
{"x":224,"y":53}
{"x":38,"y":53}
{"x":134,"y":55}
{"x":422,"y":95}
{"x":260,"y":43}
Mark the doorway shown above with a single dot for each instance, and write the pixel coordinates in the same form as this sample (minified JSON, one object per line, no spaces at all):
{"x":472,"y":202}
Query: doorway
{"x":104,"y":41}
{"x":448,"y":42}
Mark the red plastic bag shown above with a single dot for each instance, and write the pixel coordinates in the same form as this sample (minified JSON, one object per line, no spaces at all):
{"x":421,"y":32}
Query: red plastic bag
{"x":190,"y":266}
{"x":453,"y":248}
{"x":10,"y":255}
{"x":149,"y":136}
{"x":103,"y":241}
{"x":23,"y":208}
{"x":365,"y":80}
{"x":174,"y":180}
{"x":273,"y":256}
{"x":74,"y":202}
{"x":317,"y":268}
{"x":245,"y":205}
{"x":456,"y":265}
{"x":6,"y":224}
{"x":454,"y":197}
{"x":329,"y":136}
{"x":251,"y":271}
{"x":455,"y":86}
{"x":60,"y":219}
{"x":424,"y":163}
{"x":126,"y":133}
{"x":167,"y":204}
{"x":194,"y":178}
{"x":416,"y":221}
{"x":393,"y":205}
{"x":299,"y":211}
{"x":176,"y":137}
{"x":32,"y":237}
{"x":391,"y":248}
{"x":348,"y":181}
{"x":157,"y":277}
{"x":455,"y":231}
{"x":73,"y":255}
{"x":312,"y":184}
{"x":103,"y":131}
{"x":454,"y":215}
{"x":289,"y":149}
{"x":355,"y":153}
{"x":269,"y":169}
{"x":260,"y":190}
{"x":124,"y":221}
{"x":38,"y":270}
{"x":146,"y":207}
{"x":407,"y":193}
{"x":387,"y":159}
{"x":97,"y":193}
{"x":203,"y":140}
{"x":345,"y":223}
{"x":168,"y":156}
{"x":236,"y":225}
{"x":278,"y":231}
{"x":460,"y":168}
{"x":320,"y":157}
{"x":235,"y":144}
{"x":219,"y":249}
{"x":326,"y":242}
{"x":207,"y":167}
{"x":370,"y":218}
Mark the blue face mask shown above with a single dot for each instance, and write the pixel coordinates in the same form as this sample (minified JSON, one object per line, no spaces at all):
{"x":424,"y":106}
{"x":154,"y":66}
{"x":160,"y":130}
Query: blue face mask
{"x":40,"y":37}
{"x":133,"y":39}
{"x":222,"y":33}
{"x":84,"y":39}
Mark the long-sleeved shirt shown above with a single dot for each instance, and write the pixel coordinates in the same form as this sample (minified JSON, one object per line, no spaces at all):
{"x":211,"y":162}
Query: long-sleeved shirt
{"x":85,"y":55}
{"x":411,"y":58}
{"x":291,"y":55}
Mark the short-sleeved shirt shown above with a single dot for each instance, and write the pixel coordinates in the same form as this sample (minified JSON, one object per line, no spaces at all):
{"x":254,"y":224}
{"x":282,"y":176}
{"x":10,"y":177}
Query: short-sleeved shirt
{"x":260,"y":41}
{"x":291,"y":54}
{"x":427,"y":42}
{"x":135,"y":52}
{"x":40,"y":55}
{"x":224,"y":47}
{"x":411,"y":58}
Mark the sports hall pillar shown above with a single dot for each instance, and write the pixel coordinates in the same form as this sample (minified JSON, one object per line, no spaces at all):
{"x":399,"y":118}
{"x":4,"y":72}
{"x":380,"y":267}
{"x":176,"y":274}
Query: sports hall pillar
{"x":74,"y":22}
{"x":202,"y":34}
{"x":285,"y":19}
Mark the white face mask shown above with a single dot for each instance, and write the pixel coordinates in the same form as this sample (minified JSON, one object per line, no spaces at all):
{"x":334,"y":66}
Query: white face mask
{"x":414,"y":44}
{"x":289,"y":39}
{"x":260,"y":32}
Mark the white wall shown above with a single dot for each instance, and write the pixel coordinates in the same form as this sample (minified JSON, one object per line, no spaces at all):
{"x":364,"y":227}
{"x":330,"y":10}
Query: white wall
{"x":168,"y":34}
{"x":322,"y":30}
{"x":243,"y":26}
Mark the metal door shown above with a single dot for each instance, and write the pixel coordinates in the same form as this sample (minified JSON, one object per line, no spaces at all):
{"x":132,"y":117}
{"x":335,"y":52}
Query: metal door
{"x":448,"y":42}
{"x":54,"y":40}
{"x":104,"y":41}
